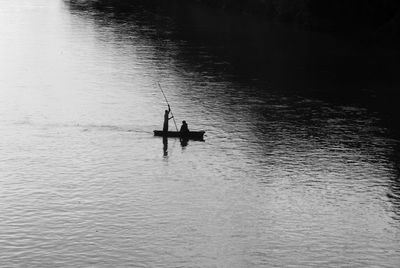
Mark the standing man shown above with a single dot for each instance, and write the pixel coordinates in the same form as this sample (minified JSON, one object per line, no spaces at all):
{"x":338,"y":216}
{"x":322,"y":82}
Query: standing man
{"x":166,"y":119}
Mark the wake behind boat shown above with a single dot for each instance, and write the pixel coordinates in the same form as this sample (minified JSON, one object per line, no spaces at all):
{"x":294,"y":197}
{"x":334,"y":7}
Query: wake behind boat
{"x":191,"y":135}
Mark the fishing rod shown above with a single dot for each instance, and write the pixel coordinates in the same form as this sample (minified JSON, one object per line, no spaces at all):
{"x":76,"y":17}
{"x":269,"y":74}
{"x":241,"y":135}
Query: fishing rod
{"x":162,"y":91}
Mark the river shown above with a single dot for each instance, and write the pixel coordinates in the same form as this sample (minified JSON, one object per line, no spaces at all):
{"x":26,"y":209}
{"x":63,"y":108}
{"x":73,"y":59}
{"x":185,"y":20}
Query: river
{"x":289,"y":175}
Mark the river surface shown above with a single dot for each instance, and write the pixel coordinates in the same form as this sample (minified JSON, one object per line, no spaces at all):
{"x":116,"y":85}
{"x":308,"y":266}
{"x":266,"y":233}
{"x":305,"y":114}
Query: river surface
{"x":284,"y":178}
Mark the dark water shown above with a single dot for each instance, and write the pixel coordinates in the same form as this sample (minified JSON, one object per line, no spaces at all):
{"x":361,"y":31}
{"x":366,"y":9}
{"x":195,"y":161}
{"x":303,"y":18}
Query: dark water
{"x":291,"y":173}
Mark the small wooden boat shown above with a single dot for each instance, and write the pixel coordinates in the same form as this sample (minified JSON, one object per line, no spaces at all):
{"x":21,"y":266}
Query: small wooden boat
{"x":191,"y":135}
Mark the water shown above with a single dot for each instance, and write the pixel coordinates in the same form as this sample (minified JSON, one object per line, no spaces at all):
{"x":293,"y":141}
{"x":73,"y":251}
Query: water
{"x":283,"y":178}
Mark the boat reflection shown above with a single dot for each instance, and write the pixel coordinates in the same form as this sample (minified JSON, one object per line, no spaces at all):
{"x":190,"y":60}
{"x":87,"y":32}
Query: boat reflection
{"x":184,"y":144}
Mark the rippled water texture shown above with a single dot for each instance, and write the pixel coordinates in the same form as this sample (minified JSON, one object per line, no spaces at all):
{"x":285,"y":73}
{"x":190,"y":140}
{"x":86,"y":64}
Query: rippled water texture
{"x":282,"y":179}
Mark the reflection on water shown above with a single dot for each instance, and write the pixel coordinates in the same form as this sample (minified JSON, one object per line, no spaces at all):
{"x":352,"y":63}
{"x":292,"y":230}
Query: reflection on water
{"x":165,"y":146}
{"x":285,"y":178}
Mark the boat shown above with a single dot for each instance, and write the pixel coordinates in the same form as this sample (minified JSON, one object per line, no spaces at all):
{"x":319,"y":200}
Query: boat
{"x":191,"y":135}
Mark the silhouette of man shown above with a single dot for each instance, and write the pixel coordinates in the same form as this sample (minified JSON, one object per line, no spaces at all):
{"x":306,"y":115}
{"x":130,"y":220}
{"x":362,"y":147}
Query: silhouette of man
{"x":184,"y":128}
{"x":166,"y":119}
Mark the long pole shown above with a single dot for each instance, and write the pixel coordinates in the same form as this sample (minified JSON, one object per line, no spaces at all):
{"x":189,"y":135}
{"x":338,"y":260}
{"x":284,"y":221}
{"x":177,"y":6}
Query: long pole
{"x":162,"y":91}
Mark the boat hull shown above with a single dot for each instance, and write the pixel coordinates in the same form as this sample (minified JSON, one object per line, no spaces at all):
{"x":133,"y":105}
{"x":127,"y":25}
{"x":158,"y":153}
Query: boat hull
{"x":192,"y":135}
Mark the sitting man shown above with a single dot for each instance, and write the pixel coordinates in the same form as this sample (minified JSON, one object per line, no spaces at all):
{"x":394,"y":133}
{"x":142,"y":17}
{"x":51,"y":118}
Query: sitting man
{"x":184,"y":129}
